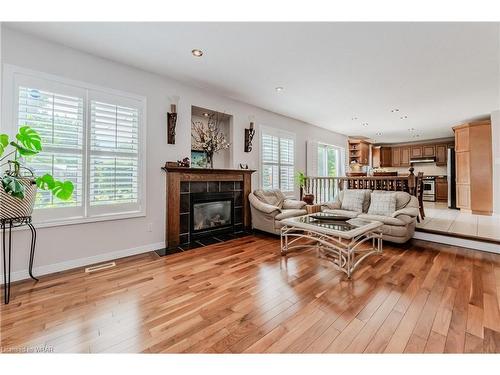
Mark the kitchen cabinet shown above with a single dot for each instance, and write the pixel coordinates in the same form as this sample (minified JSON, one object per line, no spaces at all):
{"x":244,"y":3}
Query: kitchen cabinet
{"x":474,"y":167}
{"x":359,"y":151}
{"x":428,"y":150}
{"x":376,"y":157}
{"x":385,"y":157}
{"x":396,"y":157}
{"x":417,"y":151}
{"x":441,"y":189}
{"x":405,"y":156}
{"x":441,"y":154}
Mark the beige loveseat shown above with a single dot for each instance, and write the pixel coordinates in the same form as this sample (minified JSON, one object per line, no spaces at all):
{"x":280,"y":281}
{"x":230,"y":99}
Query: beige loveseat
{"x":399,"y":227}
{"x":268,"y":207}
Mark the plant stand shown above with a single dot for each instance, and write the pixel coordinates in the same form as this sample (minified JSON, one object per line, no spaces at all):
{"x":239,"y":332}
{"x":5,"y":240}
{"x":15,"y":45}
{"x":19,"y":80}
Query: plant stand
{"x":7,"y":225}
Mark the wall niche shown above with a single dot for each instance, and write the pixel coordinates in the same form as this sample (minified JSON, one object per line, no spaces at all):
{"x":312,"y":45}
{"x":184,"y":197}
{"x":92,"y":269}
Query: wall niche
{"x":223,"y":158}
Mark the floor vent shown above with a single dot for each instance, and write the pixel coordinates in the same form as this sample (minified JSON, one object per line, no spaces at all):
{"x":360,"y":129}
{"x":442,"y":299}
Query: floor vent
{"x":100,"y":267}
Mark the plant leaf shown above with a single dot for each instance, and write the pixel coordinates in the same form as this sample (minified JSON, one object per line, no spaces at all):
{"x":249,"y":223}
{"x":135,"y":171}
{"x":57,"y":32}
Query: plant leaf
{"x":46,"y":182}
{"x":23,"y":151}
{"x":4,"y":142}
{"x":63,"y":190}
{"x":29,"y":139}
{"x":12,"y":186}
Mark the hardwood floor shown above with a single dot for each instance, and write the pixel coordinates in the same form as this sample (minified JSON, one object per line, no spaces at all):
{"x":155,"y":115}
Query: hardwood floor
{"x":241,"y":296}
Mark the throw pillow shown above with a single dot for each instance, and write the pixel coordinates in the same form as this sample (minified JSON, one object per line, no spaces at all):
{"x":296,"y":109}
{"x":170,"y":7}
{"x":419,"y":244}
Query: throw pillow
{"x":353,"y":200}
{"x":382,"y":203}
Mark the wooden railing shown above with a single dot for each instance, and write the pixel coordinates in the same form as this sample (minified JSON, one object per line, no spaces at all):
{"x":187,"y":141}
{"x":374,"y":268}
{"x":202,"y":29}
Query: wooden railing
{"x":326,"y":189}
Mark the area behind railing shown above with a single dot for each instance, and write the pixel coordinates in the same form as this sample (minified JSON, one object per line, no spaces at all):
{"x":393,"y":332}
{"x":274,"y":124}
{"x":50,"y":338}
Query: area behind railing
{"x":326,"y":189}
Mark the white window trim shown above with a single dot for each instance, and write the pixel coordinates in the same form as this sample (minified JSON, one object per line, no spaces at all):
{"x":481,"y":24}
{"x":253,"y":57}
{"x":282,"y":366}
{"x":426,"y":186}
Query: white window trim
{"x":280,"y":134}
{"x":9,"y":126}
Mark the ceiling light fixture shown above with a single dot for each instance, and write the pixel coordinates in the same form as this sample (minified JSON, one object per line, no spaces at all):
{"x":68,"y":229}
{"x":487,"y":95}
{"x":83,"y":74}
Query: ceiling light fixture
{"x":279,"y":89}
{"x":364,"y":124}
{"x":395,"y":110}
{"x":379,"y":134}
{"x":411,"y":129}
{"x":197,"y":52}
{"x":404,"y":117}
{"x":354,"y":118}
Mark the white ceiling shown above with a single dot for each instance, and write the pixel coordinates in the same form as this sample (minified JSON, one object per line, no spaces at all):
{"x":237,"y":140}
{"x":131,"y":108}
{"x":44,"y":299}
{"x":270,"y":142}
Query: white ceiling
{"x":438,"y":74}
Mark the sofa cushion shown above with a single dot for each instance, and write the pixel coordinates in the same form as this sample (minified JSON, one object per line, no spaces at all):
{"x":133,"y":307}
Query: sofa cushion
{"x":349,"y":214}
{"x":382,"y":203}
{"x":388,"y":220}
{"x":353,"y":200}
{"x":292,"y":212}
{"x":273,"y":197}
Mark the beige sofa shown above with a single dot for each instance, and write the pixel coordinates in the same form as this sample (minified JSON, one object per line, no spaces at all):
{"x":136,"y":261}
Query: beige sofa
{"x":268,"y":207}
{"x":399,"y":227}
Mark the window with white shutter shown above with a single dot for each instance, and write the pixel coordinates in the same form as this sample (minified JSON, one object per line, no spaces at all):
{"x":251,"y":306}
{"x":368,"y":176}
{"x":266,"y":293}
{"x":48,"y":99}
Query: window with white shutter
{"x":91,"y":136}
{"x":277,"y":160}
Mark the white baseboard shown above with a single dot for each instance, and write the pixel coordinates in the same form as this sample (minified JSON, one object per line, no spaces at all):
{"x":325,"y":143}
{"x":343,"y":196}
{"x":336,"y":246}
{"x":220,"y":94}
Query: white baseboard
{"x":460,"y":242}
{"x":75,"y":263}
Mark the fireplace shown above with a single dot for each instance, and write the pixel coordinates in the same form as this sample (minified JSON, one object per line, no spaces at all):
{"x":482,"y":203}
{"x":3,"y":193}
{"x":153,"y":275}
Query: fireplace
{"x":211,"y":213}
{"x":189,"y":186}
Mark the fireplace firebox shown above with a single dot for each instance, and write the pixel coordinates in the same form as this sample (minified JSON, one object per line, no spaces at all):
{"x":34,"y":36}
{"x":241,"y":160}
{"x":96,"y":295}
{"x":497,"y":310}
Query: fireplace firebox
{"x":211,"y":214}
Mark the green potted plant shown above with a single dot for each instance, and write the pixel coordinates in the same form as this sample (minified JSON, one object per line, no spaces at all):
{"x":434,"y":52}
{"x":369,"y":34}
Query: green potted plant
{"x":19,"y":184}
{"x":300,"y":180}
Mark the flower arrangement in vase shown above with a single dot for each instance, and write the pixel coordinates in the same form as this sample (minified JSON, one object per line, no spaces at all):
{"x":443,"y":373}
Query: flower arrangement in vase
{"x":209,"y":138}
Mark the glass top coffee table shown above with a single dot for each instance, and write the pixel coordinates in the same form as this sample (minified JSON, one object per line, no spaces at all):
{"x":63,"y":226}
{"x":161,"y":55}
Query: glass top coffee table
{"x":338,"y":241}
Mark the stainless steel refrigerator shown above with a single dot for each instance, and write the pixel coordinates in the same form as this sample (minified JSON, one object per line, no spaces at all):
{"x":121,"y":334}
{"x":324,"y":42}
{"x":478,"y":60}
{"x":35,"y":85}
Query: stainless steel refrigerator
{"x":452,"y":191}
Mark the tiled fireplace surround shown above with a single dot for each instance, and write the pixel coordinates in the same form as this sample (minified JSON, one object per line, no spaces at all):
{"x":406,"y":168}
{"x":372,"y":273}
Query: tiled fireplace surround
{"x":189,"y":187}
{"x":182,"y":182}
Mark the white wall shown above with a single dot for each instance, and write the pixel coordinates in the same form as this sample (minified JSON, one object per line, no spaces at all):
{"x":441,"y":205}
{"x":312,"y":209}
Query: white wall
{"x":495,"y":133}
{"x":73,"y":245}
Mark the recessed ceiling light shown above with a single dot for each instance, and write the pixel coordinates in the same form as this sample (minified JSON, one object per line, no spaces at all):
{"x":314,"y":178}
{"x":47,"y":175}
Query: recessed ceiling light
{"x":279,"y":89}
{"x":411,"y":129}
{"x":364,"y":124}
{"x":379,"y":134}
{"x":197,"y":52}
{"x":395,"y":110}
{"x":404,"y":117}
{"x":354,"y":118}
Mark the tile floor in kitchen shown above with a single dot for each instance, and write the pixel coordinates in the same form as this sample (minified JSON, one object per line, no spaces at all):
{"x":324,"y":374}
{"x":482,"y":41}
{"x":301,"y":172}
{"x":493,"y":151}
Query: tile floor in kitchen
{"x":438,"y":217}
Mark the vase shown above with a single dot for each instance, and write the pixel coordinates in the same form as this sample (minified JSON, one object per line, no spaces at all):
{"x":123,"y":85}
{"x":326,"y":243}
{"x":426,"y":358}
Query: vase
{"x":12,"y":207}
{"x":210,"y":160}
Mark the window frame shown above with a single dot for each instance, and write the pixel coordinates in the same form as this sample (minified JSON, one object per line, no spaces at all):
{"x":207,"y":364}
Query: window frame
{"x":12,"y":77}
{"x":339,"y":151}
{"x":279,"y":134}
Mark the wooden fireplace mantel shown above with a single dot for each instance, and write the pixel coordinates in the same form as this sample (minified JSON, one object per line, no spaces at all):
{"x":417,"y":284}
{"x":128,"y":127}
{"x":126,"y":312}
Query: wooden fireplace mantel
{"x":175,"y":175}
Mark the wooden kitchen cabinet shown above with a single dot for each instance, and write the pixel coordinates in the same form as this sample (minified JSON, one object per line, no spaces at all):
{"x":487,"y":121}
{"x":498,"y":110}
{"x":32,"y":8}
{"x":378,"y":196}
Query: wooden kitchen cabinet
{"x":441,"y":189}
{"x":385,"y":157}
{"x":474,"y":167}
{"x":359,"y":151}
{"x":441,"y":154}
{"x":429,"y":150}
{"x":405,"y":156}
{"x":417,"y":151}
{"x":396,"y":157}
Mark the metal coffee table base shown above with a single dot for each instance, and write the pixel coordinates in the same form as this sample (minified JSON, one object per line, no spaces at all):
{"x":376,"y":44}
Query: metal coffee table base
{"x":346,"y":254}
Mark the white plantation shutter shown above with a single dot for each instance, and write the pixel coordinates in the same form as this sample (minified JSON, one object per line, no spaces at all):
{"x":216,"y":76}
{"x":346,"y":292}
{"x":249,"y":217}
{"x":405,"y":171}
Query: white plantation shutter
{"x":58,"y":118}
{"x":278,"y":160}
{"x":114,"y":153}
{"x":90,"y":136}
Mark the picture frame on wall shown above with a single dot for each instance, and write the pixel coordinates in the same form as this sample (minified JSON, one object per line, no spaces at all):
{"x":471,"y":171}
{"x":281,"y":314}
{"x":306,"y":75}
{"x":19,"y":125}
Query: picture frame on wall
{"x":198,"y":159}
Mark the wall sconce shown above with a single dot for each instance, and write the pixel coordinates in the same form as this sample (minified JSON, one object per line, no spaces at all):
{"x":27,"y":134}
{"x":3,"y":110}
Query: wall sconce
{"x":172,"y":120}
{"x":249,"y":134}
